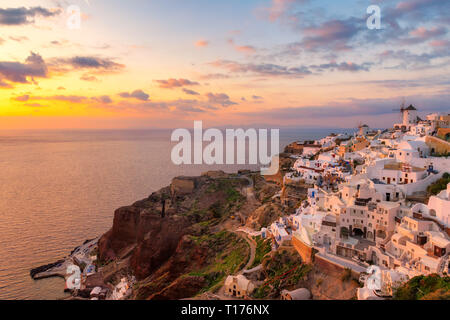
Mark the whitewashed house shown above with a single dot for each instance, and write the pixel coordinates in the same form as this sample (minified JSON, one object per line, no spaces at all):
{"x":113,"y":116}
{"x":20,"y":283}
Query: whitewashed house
{"x":238,"y":286}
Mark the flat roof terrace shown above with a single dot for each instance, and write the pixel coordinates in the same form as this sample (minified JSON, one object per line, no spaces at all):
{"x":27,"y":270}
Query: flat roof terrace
{"x":399,"y":166}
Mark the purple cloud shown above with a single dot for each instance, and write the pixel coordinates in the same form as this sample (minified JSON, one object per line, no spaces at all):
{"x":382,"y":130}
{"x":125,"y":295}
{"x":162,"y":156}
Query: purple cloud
{"x":221,"y":99}
{"x":137,"y":94}
{"x":20,"y":16}
{"x":190,"y":92}
{"x":175,"y":83}
{"x":34,"y":67}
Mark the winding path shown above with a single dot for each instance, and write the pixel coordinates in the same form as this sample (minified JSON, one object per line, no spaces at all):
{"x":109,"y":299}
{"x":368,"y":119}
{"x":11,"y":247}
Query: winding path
{"x":252,"y":245}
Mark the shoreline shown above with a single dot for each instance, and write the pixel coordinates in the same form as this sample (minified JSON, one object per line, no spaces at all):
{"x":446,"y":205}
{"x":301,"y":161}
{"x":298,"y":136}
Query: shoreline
{"x":80,"y":256}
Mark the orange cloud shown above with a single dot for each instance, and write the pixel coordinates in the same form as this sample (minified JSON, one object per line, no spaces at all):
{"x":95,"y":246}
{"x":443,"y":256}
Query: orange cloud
{"x":202,"y":43}
{"x":245,"y":49}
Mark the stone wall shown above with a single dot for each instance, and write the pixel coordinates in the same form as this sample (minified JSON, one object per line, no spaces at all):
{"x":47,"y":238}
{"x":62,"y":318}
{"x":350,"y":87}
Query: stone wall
{"x":443,"y":133}
{"x":294,"y":148}
{"x":182,"y":185}
{"x":322,"y":264}
{"x":438,"y":145}
{"x":303,"y":250}
{"x":328,"y":267}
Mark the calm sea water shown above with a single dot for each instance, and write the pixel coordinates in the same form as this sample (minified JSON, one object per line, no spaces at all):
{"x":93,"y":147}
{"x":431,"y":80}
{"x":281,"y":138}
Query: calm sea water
{"x":59,"y":188}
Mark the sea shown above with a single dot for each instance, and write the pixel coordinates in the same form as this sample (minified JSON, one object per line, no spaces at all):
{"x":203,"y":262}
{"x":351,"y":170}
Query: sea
{"x":59,"y":188}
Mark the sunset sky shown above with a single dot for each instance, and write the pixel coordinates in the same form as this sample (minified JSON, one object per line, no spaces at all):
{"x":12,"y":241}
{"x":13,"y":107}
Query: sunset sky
{"x":165,"y":63}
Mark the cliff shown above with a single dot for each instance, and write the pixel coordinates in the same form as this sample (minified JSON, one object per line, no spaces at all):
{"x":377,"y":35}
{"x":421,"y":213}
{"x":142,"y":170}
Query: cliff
{"x":174,"y":240}
{"x":181,"y":241}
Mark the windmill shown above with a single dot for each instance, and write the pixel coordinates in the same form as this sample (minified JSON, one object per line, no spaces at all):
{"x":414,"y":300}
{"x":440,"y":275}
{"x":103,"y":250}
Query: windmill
{"x":359,"y":125}
{"x":362,"y":128}
{"x":402,"y":108}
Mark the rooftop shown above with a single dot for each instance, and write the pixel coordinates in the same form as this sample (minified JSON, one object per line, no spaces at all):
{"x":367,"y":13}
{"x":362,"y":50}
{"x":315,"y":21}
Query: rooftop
{"x":399,"y":165}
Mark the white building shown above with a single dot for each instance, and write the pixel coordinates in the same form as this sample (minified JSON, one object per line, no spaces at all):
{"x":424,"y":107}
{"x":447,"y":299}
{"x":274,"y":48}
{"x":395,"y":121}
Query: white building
{"x":438,"y":207}
{"x":279,"y":233}
{"x":238,"y":286}
{"x":407,"y":150}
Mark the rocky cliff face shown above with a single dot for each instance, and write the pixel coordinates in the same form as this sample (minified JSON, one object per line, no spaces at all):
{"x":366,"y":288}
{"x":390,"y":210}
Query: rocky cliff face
{"x":140,"y":231}
{"x":179,"y":240}
{"x":161,"y":249}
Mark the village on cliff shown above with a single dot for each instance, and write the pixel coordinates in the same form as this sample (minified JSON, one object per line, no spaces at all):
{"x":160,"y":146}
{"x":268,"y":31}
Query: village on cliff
{"x":368,"y":203}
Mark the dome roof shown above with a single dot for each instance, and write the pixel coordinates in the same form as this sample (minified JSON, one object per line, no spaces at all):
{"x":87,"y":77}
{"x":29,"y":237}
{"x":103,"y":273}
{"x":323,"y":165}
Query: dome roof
{"x":299,"y":294}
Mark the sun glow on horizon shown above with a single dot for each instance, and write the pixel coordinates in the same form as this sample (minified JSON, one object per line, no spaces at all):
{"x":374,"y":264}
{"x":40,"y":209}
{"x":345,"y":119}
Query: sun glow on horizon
{"x":255,"y":62}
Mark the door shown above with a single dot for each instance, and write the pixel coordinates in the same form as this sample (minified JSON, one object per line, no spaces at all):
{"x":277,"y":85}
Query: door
{"x":388,"y":180}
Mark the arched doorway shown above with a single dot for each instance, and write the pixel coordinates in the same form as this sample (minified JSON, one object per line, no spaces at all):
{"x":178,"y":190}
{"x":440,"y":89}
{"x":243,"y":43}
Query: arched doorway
{"x":358,"y":233}
{"x":381,"y":234}
{"x":374,"y":258}
{"x":344,"y":232}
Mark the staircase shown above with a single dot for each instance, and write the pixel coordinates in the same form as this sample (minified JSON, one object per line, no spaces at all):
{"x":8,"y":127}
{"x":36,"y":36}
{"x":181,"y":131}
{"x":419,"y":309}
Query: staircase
{"x":443,"y":263}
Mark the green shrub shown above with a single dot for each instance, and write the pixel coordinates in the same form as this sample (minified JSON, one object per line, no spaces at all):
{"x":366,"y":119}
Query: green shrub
{"x":439,"y":185}
{"x":263,"y":247}
{"x":432,"y":287}
{"x":346,"y":275}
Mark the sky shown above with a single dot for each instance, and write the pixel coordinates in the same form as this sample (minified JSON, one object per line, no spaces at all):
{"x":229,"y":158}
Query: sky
{"x":264,"y":63}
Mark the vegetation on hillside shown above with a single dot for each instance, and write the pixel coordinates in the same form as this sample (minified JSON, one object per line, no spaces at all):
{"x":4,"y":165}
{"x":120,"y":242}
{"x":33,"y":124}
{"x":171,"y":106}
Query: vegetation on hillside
{"x":232,"y":199}
{"x":432,"y":287}
{"x":227,"y":200}
{"x":439,"y":185}
{"x":283,"y":269}
{"x":263,"y":247}
{"x":232,"y":256}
